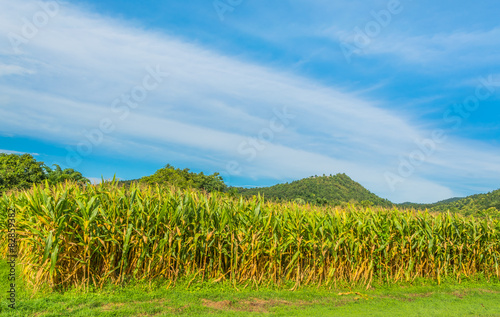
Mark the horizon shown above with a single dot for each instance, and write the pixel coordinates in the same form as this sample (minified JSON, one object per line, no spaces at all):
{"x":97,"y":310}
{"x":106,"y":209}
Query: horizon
{"x":400,"y":96}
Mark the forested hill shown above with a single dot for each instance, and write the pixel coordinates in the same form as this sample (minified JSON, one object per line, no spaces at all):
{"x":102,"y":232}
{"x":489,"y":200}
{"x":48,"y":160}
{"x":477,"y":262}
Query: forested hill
{"x":319,"y":190}
{"x":486,"y":204}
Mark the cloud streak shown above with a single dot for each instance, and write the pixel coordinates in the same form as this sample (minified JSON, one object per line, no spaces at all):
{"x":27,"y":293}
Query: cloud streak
{"x":66,"y":78}
{"x":16,"y":152}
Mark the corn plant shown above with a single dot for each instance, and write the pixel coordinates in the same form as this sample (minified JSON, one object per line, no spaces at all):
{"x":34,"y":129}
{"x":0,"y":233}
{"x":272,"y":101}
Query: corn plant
{"x":73,"y":235}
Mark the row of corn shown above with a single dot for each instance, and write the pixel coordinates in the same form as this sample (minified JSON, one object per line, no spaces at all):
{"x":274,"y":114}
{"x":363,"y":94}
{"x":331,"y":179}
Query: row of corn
{"x":70,"y":235}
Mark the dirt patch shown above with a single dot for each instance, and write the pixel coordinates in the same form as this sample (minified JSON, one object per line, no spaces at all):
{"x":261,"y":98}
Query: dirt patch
{"x":256,"y":305}
{"x":483,"y":290}
{"x":262,"y":305}
{"x":466,"y":292}
{"x":110,"y":307}
{"x":222,"y":305}
{"x":459,"y":294}
{"x":412,"y":297}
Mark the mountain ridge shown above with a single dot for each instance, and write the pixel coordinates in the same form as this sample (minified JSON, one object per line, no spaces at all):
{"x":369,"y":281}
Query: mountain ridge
{"x":322,"y":190}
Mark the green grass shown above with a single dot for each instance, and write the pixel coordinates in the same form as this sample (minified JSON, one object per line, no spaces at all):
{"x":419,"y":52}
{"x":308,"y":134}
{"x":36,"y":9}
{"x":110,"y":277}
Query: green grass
{"x":472,"y":298}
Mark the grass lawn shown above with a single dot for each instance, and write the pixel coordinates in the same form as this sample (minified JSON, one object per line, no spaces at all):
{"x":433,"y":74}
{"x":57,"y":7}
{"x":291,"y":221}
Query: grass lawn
{"x":207,"y":299}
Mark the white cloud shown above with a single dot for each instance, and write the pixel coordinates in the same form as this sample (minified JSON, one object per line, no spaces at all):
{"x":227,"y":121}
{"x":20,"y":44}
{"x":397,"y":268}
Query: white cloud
{"x":16,"y":152}
{"x":206,"y":108}
{"x":6,"y":70}
{"x":458,"y":48}
{"x":439,"y":47}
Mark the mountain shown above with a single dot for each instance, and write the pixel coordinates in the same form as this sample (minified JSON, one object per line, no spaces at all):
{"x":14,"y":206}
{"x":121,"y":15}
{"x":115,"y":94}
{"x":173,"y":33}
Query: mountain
{"x":321,"y":190}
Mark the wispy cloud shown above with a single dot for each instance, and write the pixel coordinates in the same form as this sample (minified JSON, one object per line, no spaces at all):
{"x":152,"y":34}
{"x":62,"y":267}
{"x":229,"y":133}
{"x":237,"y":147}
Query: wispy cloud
{"x":438,"y":48}
{"x":208,"y":106}
{"x":14,"y":70}
{"x":17,"y":152}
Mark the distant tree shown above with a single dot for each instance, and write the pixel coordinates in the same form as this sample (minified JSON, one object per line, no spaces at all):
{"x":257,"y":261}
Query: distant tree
{"x":233,"y":191}
{"x":59,"y":175}
{"x":19,"y":171}
{"x":321,"y":201}
{"x":22,"y":171}
{"x":299,"y":201}
{"x":366,"y":203}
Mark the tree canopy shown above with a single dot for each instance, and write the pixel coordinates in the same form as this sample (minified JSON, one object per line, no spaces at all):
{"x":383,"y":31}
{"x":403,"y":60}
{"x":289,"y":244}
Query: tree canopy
{"x":183,"y":178}
{"x":59,"y":175}
{"x":22,"y":171}
{"x":19,"y":171}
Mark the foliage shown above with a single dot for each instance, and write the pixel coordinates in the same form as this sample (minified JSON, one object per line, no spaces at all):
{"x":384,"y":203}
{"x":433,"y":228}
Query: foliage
{"x":92,"y":235}
{"x":19,"y":171}
{"x":58,"y":175}
{"x":484,"y":205}
{"x":184,"y":179}
{"x":22,"y":171}
{"x":325,"y":190}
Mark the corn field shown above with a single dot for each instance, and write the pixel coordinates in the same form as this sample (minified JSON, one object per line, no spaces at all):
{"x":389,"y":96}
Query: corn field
{"x":89,"y":236}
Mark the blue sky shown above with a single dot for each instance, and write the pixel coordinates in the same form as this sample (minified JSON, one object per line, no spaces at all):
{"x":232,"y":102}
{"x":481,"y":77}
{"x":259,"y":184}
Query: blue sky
{"x":402,"y":96}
